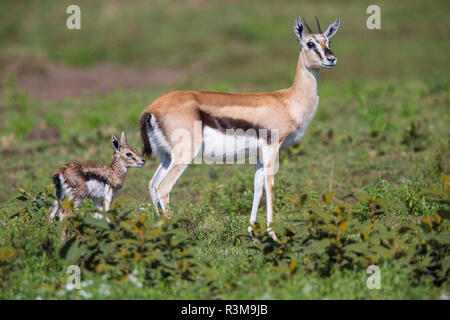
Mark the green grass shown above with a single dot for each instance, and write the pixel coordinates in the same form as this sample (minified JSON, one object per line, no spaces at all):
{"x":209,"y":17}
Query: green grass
{"x":362,"y":142}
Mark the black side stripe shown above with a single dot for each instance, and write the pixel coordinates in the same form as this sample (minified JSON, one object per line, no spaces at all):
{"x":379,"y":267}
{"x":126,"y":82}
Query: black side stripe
{"x":328,"y":52}
{"x":89,"y":175}
{"x":224,"y":123}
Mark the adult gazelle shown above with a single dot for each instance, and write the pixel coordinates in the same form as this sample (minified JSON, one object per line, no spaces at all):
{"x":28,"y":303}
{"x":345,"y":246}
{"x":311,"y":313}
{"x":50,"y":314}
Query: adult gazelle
{"x":211,"y":119}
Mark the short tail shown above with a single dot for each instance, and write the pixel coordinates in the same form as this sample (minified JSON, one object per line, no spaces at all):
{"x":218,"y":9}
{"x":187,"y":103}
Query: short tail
{"x":58,"y":187}
{"x":144,"y":124}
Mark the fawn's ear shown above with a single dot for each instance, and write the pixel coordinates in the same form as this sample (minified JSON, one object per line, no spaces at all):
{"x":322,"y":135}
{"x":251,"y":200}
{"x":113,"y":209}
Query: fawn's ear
{"x":115,"y":144}
{"x":123,"y":139}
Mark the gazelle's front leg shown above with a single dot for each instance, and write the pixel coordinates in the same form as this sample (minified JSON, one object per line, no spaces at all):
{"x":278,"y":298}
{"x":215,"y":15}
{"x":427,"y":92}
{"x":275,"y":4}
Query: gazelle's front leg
{"x":269,"y":182}
{"x":257,"y":193}
{"x":270,"y":158}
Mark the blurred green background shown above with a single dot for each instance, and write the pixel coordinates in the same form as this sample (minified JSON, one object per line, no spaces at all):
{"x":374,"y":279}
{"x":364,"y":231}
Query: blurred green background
{"x":249,"y":41}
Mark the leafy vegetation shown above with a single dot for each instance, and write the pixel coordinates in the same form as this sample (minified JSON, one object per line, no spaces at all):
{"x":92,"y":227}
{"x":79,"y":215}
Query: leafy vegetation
{"x":154,"y":251}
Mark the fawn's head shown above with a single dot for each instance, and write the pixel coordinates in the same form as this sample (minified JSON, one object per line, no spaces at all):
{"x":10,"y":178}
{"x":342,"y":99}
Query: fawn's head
{"x":125,"y":153}
{"x":316,"y":46}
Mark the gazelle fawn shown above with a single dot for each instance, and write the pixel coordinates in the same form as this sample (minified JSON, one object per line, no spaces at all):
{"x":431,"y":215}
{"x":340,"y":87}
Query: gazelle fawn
{"x":79,"y":180}
{"x":286,"y":112}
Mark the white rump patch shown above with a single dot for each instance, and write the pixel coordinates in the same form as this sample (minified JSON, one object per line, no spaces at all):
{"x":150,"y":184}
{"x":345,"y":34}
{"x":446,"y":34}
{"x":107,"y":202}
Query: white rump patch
{"x":65,"y":188}
{"x":157,"y":139}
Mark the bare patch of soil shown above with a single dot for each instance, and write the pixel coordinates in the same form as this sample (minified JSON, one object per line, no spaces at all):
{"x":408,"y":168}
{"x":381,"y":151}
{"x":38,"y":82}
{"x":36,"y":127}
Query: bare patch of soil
{"x":42,"y":133}
{"x":41,"y":78}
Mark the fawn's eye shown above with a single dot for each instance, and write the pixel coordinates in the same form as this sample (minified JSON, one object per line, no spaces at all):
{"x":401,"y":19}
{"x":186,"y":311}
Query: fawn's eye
{"x":310,"y":45}
{"x":129,"y":154}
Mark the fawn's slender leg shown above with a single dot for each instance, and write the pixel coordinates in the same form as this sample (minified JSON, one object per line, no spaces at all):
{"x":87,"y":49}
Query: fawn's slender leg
{"x":109,"y":192}
{"x":53,"y":210}
{"x":99,"y":206}
{"x":64,"y":214}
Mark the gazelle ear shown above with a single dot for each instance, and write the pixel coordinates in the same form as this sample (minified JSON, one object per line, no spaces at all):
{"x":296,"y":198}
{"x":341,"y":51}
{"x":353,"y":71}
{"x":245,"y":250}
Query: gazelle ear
{"x":123,"y":139}
{"x":299,"y":30}
{"x":115,"y":144}
{"x":332,"y":29}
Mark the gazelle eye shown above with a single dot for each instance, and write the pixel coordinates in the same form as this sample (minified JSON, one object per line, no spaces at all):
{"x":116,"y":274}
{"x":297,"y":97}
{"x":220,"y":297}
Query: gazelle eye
{"x":128,"y":154}
{"x":310,"y":45}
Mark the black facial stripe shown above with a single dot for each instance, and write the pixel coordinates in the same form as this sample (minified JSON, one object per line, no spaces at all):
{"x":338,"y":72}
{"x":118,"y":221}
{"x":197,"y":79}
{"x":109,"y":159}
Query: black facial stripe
{"x":328,"y":52}
{"x":315,"y":48}
{"x":318,"y":53}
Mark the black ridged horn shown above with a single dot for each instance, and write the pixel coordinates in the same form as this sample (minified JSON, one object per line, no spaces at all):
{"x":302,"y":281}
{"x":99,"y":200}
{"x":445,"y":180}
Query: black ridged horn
{"x":307,"y":26}
{"x":318,"y":25}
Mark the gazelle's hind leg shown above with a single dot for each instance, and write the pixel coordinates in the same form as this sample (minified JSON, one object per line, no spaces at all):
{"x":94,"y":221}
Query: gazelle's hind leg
{"x":152,"y":185}
{"x":167,"y":182}
{"x":179,"y":162}
{"x":160,"y":173}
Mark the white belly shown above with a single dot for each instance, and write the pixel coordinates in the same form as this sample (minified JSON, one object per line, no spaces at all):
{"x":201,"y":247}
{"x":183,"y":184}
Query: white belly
{"x":293,"y":138}
{"x":96,"y":189}
{"x":222,"y":148}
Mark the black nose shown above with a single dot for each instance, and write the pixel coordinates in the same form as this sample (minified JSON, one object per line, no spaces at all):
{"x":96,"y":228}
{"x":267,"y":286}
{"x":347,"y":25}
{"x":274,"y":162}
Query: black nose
{"x":143,"y":161}
{"x":331,"y":59}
